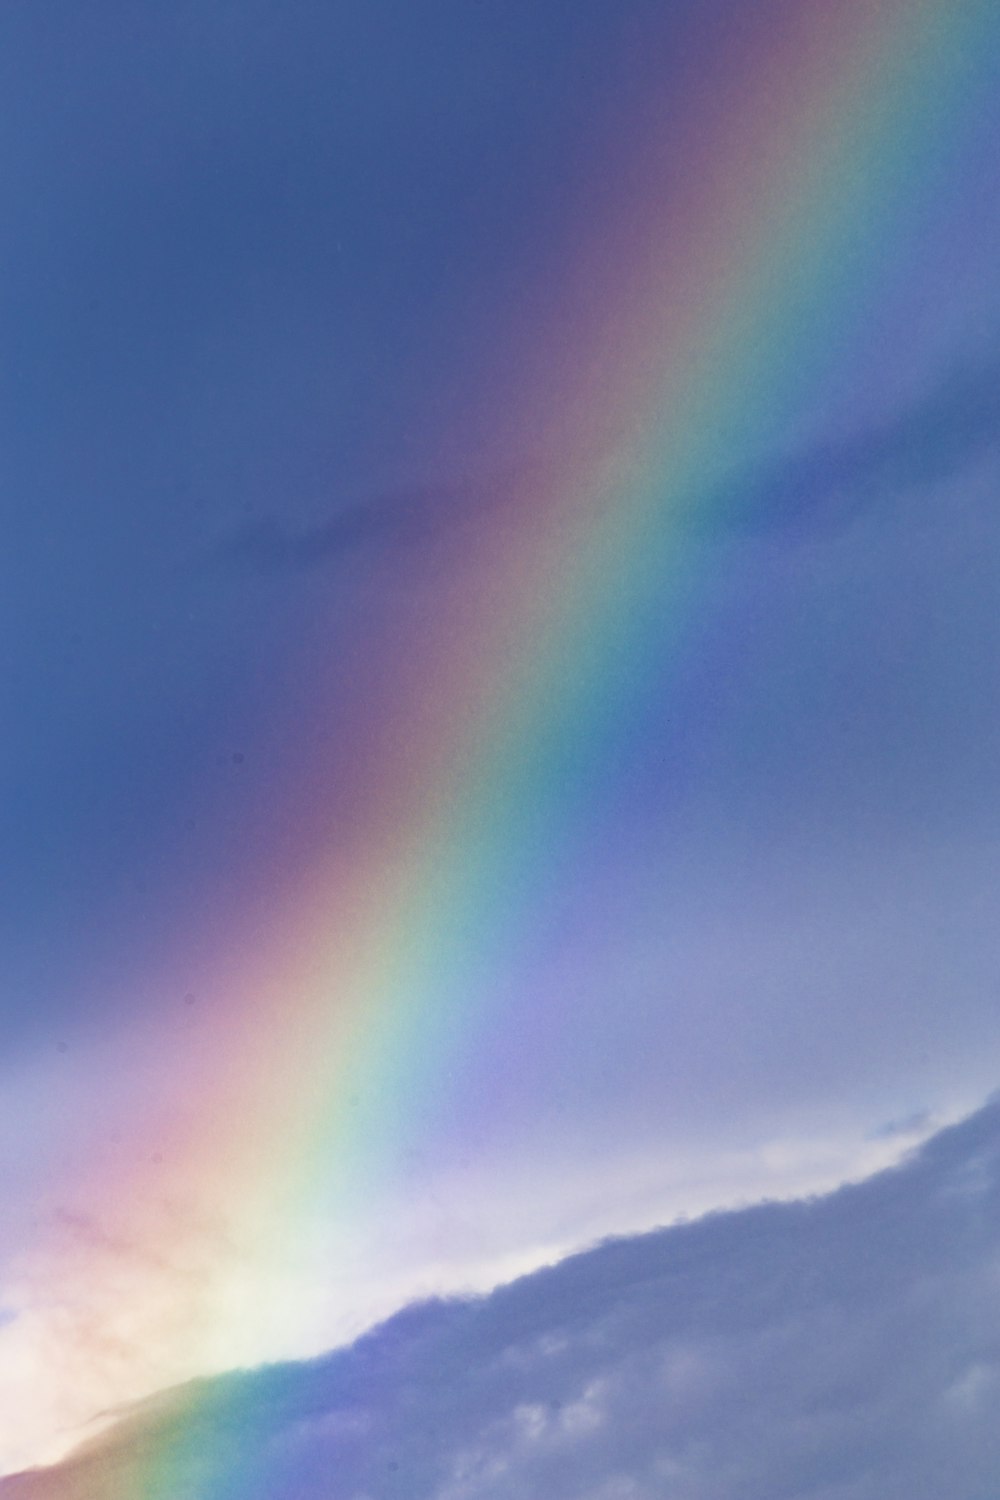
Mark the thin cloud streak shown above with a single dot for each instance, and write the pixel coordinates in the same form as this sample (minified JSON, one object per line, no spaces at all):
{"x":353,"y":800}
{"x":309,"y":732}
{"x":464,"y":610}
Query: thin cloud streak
{"x":826,"y":488}
{"x":409,"y":516}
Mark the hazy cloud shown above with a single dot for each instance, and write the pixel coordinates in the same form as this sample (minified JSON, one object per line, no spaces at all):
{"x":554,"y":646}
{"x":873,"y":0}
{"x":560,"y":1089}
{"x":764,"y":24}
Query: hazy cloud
{"x":826,"y":487}
{"x":402,"y":517}
{"x":846,"y":1348}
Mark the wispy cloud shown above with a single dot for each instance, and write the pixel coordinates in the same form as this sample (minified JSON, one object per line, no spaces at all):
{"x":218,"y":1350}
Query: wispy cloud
{"x":400,"y":518}
{"x":846,"y":1347}
{"x":826,"y":487}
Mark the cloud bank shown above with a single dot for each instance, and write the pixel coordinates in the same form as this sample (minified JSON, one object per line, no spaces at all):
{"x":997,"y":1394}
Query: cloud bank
{"x":845,"y":1348}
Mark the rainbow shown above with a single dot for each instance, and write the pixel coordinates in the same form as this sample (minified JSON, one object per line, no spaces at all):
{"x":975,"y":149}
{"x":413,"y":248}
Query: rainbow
{"x":720,"y":266}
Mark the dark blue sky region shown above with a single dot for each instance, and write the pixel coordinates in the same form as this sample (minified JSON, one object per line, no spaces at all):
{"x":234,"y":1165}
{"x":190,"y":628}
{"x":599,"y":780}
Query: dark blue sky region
{"x":241,"y":255}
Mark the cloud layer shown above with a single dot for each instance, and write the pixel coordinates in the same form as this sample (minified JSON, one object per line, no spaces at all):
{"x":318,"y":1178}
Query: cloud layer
{"x":846,"y":1348}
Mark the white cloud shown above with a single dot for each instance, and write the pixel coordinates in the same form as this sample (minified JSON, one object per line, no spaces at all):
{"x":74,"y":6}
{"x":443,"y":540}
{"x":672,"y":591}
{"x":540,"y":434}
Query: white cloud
{"x":841,"y":1348}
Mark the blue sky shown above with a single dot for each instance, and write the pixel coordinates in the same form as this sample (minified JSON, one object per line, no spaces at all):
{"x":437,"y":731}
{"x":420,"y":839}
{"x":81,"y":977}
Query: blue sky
{"x":255,"y":259}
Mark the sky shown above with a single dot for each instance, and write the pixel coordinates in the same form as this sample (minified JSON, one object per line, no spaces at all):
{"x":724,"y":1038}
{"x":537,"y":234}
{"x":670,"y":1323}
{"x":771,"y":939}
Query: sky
{"x":499,"y":691}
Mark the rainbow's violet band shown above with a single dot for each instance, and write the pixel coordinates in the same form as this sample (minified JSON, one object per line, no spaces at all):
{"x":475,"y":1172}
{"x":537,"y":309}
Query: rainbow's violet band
{"x":713,"y":303}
